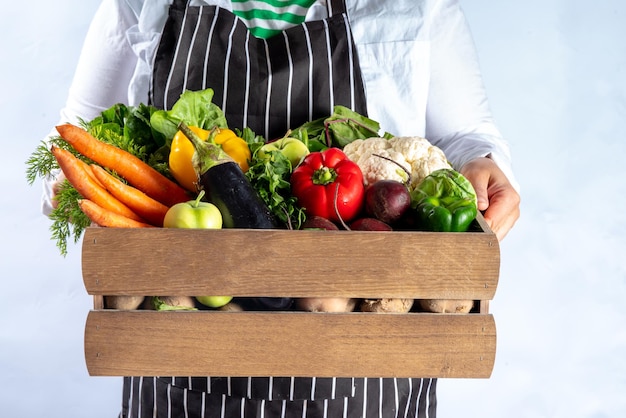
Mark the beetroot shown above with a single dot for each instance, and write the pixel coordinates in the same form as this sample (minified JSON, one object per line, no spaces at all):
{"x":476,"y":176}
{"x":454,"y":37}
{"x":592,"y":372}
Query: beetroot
{"x":387,"y":200}
{"x":369,"y":224}
{"x":317,"y":222}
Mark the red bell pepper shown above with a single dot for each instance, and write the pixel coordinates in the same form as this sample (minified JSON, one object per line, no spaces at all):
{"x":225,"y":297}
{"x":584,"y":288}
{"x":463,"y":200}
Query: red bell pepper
{"x":326,"y":177}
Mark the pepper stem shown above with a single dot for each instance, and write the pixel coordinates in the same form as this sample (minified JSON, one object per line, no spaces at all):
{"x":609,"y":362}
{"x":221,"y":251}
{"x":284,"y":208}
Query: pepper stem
{"x":324,"y":176}
{"x":207,"y":154}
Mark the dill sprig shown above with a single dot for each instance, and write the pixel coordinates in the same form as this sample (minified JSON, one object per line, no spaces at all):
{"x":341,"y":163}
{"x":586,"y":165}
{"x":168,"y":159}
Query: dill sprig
{"x":41,"y":162}
{"x":68,"y":221}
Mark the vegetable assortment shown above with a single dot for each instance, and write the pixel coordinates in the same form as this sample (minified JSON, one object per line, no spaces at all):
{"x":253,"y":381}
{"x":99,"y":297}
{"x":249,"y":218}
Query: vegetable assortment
{"x":142,"y":167}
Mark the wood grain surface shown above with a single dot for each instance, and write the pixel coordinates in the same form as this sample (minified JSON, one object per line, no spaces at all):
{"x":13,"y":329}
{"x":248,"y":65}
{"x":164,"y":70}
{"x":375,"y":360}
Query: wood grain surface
{"x":145,"y":343}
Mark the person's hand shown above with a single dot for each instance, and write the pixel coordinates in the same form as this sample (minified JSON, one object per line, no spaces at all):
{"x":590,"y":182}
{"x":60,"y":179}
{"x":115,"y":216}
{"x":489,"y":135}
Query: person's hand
{"x":55,"y":188}
{"x":497,"y":199}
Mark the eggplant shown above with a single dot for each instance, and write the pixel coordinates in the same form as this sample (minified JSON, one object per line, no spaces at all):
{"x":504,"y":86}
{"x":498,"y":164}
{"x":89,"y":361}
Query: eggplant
{"x":227,"y":187}
{"x":241,"y":206}
{"x":274,"y":304}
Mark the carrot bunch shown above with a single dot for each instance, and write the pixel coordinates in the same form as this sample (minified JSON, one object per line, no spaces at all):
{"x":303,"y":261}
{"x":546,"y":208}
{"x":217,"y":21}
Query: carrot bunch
{"x":108,"y":201}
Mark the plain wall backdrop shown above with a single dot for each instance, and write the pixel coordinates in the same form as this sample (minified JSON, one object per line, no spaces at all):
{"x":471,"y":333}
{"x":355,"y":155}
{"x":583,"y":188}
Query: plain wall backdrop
{"x":555,"y":75}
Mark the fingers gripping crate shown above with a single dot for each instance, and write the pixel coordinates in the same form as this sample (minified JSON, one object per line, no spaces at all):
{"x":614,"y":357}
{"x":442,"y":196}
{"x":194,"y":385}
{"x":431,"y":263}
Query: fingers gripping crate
{"x":280,"y":263}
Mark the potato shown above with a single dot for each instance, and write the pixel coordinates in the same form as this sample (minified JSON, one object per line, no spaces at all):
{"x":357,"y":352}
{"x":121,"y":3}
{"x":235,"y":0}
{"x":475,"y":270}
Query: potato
{"x":123,"y":303}
{"x":387,"y":305}
{"x":326,"y":304}
{"x":447,"y":305}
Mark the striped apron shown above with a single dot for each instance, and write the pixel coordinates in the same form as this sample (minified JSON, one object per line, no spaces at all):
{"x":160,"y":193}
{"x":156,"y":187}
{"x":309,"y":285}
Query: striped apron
{"x":270,"y":86}
{"x":278,"y":397}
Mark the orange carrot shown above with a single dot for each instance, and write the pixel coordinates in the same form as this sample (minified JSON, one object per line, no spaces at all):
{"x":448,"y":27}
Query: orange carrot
{"x":107,"y":218}
{"x":86,"y":186}
{"x":89,"y":172}
{"x":140,"y":203}
{"x":134,"y":170}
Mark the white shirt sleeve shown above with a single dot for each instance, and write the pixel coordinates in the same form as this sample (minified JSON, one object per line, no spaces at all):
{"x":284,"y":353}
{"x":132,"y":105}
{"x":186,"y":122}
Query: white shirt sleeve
{"x":106,"y":63}
{"x":458,"y":118}
{"x":102,"y":74}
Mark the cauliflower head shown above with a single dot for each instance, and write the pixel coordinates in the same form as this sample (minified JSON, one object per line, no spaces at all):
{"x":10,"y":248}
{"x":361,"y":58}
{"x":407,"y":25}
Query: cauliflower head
{"x":413,"y":153}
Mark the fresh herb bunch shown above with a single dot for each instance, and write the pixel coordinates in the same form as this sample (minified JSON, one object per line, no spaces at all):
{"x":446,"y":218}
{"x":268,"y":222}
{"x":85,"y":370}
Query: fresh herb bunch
{"x":270,"y":178}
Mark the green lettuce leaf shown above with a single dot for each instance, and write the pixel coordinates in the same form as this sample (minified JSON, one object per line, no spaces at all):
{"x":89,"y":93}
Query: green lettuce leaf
{"x":338,"y":130}
{"x":194,"y":108}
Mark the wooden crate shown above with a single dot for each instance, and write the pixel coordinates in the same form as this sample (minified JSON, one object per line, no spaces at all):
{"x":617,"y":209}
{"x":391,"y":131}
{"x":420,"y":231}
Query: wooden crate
{"x":246,"y":263}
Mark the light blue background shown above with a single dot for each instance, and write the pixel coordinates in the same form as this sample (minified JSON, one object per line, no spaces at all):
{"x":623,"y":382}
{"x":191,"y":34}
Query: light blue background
{"x":555,"y":72}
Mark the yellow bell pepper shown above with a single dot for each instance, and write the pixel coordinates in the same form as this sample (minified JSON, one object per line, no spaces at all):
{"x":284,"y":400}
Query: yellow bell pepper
{"x":182,"y":151}
{"x":234,"y":146}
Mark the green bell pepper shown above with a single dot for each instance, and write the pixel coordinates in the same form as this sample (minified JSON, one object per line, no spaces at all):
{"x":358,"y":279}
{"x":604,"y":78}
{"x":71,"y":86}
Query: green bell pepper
{"x":445,"y":201}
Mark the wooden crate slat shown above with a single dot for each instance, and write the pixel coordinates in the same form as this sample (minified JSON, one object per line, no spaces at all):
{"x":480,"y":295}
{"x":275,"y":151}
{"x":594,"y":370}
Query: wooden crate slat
{"x":290,"y":263}
{"x":125,"y":343}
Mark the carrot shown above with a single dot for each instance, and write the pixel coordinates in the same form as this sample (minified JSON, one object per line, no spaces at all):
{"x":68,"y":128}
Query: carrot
{"x":107,"y":218}
{"x":139,"y":202}
{"x":85,"y":185}
{"x":89,"y":172}
{"x":133,"y":169}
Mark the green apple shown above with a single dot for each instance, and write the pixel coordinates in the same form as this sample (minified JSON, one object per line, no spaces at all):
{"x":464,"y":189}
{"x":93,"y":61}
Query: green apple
{"x":214,"y":301}
{"x":292,"y":148}
{"x":197,"y":214}
{"x":193,"y":214}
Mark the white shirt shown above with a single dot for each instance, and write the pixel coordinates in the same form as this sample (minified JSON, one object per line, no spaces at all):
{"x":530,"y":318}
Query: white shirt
{"x":417,"y":57}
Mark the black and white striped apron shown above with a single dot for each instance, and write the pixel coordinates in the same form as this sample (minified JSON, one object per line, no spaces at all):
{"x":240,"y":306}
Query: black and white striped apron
{"x":186,"y":397}
{"x":270,"y":86}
